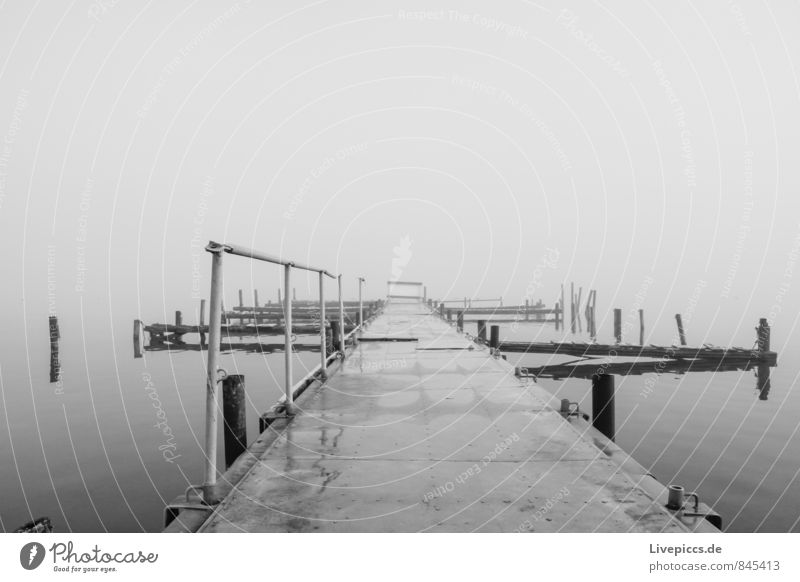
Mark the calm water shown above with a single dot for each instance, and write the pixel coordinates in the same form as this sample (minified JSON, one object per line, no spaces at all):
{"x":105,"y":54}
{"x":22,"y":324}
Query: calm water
{"x":92,"y":453}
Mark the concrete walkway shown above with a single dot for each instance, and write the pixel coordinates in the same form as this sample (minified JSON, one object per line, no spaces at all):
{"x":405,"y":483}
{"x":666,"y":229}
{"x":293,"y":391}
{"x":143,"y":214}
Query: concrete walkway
{"x":433,"y":435}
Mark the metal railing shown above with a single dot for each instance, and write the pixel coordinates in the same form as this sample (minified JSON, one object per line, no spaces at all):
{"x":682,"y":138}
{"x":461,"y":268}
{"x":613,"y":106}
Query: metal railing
{"x":214,"y":374}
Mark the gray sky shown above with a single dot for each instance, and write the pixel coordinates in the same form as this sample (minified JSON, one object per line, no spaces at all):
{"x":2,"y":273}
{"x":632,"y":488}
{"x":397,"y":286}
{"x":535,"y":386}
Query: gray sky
{"x":512,"y":147}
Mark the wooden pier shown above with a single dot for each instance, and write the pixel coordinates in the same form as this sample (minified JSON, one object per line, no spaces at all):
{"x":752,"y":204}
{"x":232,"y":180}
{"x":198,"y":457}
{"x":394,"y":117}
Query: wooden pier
{"x":420,"y":428}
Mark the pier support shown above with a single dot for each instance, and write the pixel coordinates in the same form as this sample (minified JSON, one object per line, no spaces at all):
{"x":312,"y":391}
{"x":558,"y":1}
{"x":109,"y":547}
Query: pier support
{"x":335,"y":338}
{"x":603,"y":404}
{"x":494,"y":338}
{"x":618,"y":326}
{"x":234,"y":414}
{"x":482,"y":329}
{"x":287,"y":340}
{"x":682,"y":335}
{"x":641,"y":327}
{"x":460,"y":321}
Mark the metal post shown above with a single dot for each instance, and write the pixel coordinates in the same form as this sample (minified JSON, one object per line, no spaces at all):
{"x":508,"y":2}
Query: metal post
{"x":441,"y":309}
{"x":460,"y":321}
{"x":341,"y":319}
{"x":323,"y":356}
{"x":360,"y":304}
{"x":618,"y":325}
{"x":212,"y":374}
{"x":764,"y":333}
{"x":603,"y":404}
{"x":287,"y":339}
{"x":202,"y":321}
{"x":234,"y":415}
{"x":527,"y":312}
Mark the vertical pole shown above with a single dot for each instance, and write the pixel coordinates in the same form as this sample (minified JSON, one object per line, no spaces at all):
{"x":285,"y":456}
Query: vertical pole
{"x":241,"y":304}
{"x":202,"y":321}
{"x":618,"y":326}
{"x":764,"y":333}
{"x":641,"y":327}
{"x":563,"y":310}
{"x":287,"y":338}
{"x":441,"y":309}
{"x":360,"y":304}
{"x":603,"y":404}
{"x":280,"y":301}
{"x":494,"y":337}
{"x":234,"y":415}
{"x":255,"y":298}
{"x":424,"y":294}
{"x":449,"y":315}
{"x":137,"y":341}
{"x":555,"y":315}
{"x":682,"y":335}
{"x":178,"y":318}
{"x":294,"y":294}
{"x":460,"y":321}
{"x":341,"y":319}
{"x":212,"y":375}
{"x":572,"y":307}
{"x":335,"y":336}
{"x":527,"y":315}
{"x":323,"y":356}
{"x":482,"y":329}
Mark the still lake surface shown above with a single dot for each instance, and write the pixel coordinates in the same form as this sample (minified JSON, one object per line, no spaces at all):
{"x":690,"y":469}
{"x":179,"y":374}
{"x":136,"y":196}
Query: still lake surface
{"x":92,"y":454}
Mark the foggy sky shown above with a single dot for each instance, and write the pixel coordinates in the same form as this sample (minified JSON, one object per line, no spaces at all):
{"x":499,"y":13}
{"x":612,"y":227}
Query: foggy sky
{"x":646,"y":150}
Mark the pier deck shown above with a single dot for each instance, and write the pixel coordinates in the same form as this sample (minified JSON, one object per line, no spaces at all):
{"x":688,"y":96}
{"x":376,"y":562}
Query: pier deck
{"x":435,"y":434}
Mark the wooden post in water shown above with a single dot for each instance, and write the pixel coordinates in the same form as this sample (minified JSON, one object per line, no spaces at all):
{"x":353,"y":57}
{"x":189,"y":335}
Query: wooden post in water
{"x":460,"y":321}
{"x":337,"y":347}
{"x":294,"y":294}
{"x":137,"y":341}
{"x":212,"y":374}
{"x":494,"y":338}
{"x":234,"y":415}
{"x":482,"y":329}
{"x":202,"y":321}
{"x":563,"y":310}
{"x":641,"y":327}
{"x":280,"y":301}
{"x":527,"y":315}
{"x":572,"y":307}
{"x":578,"y":308}
{"x":178,"y":318}
{"x":255,"y":298}
{"x":603,"y":404}
{"x":682,"y":335}
{"x":441,"y":309}
{"x":618,"y":325}
{"x":449,"y":315}
{"x":763,"y":332}
{"x":555,"y":315}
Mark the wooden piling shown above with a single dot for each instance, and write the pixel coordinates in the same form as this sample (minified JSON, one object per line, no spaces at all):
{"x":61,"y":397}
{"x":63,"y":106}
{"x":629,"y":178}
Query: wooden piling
{"x":449,"y":315}
{"x":441,"y":310}
{"x":255,"y":298}
{"x":137,"y":338}
{"x":482,"y":329}
{"x":572,"y":307}
{"x":555,"y":314}
{"x":527,"y":308}
{"x":460,"y":321}
{"x":681,"y":334}
{"x":178,"y":318}
{"x":494,"y":338}
{"x":763,"y":335}
{"x":618,"y":325}
{"x":234,"y":413}
{"x":202,"y":321}
{"x":641,"y":327}
{"x":603,"y":404}
{"x":241,"y":298}
{"x":336,"y":335}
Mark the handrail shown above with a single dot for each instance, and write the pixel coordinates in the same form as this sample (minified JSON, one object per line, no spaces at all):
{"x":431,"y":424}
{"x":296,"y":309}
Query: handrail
{"x":259,"y":256}
{"x":214,"y":374}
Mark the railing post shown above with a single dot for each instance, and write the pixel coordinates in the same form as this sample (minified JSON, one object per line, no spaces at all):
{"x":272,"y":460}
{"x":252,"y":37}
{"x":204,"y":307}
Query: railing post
{"x":341,"y":320}
{"x":212,"y":374}
{"x":603,"y":404}
{"x":360,"y":304}
{"x":323,"y":356}
{"x":287,"y":339}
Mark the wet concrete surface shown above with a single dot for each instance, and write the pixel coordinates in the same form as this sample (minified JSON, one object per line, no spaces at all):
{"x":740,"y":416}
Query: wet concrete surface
{"x":433,"y":434}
